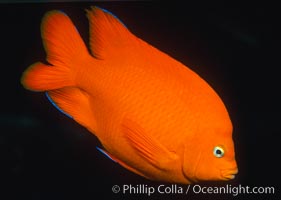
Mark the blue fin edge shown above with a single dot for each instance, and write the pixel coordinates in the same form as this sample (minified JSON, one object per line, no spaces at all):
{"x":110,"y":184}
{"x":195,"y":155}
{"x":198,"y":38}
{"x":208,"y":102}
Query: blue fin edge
{"x":104,"y":153}
{"x":56,"y":106}
{"x":112,"y":15}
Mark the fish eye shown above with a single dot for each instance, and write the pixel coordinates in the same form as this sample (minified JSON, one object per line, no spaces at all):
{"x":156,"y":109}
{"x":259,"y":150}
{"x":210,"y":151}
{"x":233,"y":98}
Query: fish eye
{"x":218,"y":152}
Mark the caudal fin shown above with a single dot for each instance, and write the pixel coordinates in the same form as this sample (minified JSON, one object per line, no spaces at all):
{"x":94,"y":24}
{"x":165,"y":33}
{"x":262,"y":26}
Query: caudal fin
{"x":65,"y":51}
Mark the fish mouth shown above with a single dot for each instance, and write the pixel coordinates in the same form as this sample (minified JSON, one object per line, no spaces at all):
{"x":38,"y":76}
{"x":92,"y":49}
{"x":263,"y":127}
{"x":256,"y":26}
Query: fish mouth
{"x":229,"y":174}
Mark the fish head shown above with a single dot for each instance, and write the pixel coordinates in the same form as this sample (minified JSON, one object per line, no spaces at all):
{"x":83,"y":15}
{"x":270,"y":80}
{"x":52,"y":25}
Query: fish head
{"x":210,"y":156}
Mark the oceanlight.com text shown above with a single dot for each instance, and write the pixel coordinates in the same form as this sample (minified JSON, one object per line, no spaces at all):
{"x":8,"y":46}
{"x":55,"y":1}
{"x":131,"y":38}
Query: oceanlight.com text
{"x":234,"y":190}
{"x":195,"y":189}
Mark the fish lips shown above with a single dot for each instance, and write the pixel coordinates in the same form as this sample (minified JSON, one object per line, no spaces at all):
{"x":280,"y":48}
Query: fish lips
{"x":228,"y":174}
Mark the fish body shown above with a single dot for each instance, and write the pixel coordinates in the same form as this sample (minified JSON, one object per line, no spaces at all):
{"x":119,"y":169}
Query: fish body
{"x":152,"y":114}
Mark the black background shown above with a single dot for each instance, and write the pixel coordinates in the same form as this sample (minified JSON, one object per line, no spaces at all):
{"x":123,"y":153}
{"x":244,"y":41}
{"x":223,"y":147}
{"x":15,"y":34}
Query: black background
{"x":234,"y":46}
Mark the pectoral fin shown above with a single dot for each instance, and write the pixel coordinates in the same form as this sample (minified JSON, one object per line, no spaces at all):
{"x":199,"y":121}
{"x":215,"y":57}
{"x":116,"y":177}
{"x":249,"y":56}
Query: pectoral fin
{"x":147,"y":146}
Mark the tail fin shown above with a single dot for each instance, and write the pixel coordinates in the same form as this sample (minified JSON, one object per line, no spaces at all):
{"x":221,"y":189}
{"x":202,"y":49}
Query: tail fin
{"x":65,"y":50}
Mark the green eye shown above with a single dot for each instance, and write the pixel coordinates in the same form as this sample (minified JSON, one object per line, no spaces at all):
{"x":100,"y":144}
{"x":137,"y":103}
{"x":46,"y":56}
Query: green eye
{"x":218,"y":152}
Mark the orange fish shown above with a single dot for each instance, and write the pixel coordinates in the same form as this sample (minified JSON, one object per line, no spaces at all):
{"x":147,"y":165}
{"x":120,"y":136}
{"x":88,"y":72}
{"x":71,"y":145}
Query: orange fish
{"x":152,"y":114}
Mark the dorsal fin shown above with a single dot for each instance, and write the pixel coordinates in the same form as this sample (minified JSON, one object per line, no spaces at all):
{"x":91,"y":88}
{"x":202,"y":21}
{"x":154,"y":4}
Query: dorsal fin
{"x":107,"y":33}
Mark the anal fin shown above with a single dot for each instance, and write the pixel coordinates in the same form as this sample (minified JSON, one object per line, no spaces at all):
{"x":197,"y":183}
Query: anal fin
{"x":75,"y":103}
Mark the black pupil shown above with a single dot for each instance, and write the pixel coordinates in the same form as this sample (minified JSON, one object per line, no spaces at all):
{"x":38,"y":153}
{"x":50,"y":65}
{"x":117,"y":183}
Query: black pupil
{"x":218,"y":152}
